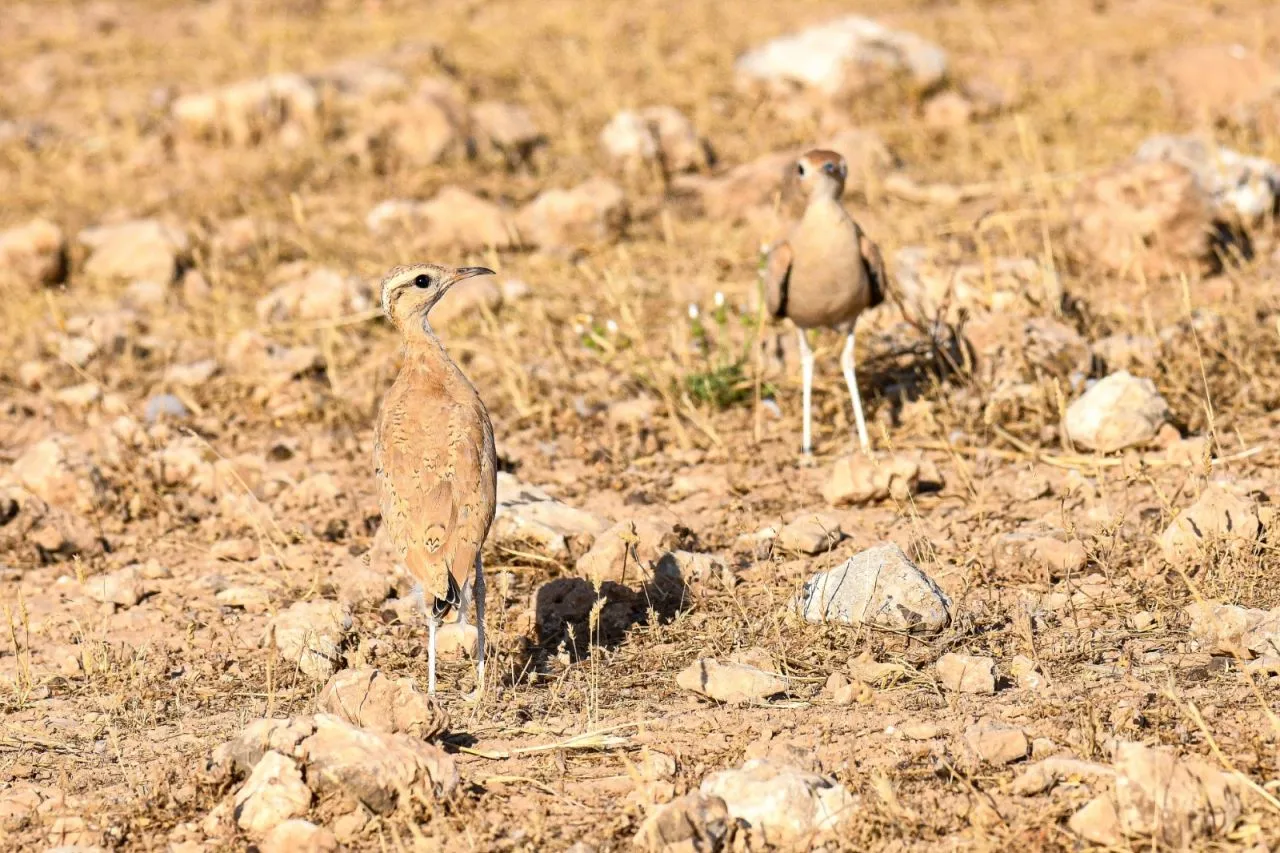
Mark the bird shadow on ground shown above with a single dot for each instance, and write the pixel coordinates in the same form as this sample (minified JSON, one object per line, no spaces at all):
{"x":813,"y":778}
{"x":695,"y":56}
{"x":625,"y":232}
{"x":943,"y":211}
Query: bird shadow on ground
{"x":564,"y":610}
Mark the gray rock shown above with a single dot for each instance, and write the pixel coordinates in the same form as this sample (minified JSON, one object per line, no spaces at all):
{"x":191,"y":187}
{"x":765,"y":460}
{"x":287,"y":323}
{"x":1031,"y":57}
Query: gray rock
{"x":846,"y":54}
{"x":879,"y":587}
{"x":164,"y":406}
{"x":1119,"y":411}
{"x":1239,"y":185}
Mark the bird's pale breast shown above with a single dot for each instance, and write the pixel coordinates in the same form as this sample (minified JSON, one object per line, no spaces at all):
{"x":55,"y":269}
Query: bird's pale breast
{"x":829,"y":285}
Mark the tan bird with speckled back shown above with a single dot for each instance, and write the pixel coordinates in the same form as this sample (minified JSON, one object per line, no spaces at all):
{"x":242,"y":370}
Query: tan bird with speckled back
{"x":434,"y":459}
{"x":824,"y":274}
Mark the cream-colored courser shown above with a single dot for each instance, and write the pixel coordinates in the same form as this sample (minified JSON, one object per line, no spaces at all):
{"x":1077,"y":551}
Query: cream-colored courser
{"x":434,"y":459}
{"x":825,"y":274}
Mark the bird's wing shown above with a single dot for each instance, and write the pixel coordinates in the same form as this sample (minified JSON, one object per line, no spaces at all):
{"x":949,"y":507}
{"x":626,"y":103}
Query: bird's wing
{"x":874,"y":263}
{"x":419,"y":508}
{"x":777,"y":278}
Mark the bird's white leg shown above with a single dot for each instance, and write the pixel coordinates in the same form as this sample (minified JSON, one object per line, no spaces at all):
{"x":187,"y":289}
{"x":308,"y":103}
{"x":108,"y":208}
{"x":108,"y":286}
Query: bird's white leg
{"x":479,"y":593}
{"x":806,"y":379}
{"x":432,"y":623}
{"x":846,"y":364}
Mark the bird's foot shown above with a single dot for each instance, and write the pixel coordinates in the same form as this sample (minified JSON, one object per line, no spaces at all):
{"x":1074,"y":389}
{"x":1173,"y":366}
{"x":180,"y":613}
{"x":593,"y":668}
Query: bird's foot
{"x":807,"y":459}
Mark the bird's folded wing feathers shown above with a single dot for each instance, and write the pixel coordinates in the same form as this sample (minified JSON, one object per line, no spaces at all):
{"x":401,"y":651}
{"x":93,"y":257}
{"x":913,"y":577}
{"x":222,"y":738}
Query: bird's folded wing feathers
{"x":421,"y":512}
{"x":777,"y":276}
{"x":874,"y":263}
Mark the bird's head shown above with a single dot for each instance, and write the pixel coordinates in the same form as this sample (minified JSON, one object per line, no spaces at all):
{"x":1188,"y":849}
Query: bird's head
{"x":822,"y":173}
{"x":409,"y":293}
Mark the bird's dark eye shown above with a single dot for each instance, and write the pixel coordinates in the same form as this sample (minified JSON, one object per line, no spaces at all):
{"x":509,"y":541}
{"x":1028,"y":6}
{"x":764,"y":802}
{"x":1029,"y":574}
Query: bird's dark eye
{"x":423,"y":280}
{"x":829,"y":168}
{"x":800,"y":169}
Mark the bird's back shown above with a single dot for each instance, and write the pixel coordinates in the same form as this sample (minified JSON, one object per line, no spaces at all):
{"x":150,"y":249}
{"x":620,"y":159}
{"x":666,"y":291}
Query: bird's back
{"x":436,"y":470}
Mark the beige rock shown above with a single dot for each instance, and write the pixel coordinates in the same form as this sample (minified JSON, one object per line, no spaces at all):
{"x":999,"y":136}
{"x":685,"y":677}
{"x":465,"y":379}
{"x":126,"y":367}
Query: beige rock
{"x":948,"y":111}
{"x":1174,"y":800}
{"x":1243,"y":189}
{"x":654,"y":135}
{"x":58,"y":472}
{"x":455,"y":640}
{"x":273,"y":793}
{"x":627,"y":552}
{"x":967,"y":673}
{"x":1041,"y":554}
{"x":732,"y":682}
{"x":1098,"y":822}
{"x":996,"y":743}
{"x":378,"y":702}
{"x":247,"y":112}
{"x":318,"y":294}
{"x":785,"y":804}
{"x":123,"y":587}
{"x":593,"y":212}
{"x":145,"y":249}
{"x":1046,"y":773}
{"x":299,"y":836}
{"x":730,"y":195}
{"x":1229,"y":629}
{"x":310,"y":635}
{"x":810,"y":533}
{"x":693,"y":823}
{"x":251,"y":599}
{"x":1148,"y":219}
{"x":509,"y":128}
{"x":1217,"y":520}
{"x":372,"y":768}
{"x":527,"y":515}
{"x":33,"y":255}
{"x":861,"y":479}
{"x":1119,"y":411}
{"x":453,"y":219}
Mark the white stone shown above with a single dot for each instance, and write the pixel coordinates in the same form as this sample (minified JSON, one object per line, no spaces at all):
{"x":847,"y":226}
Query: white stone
{"x":878,"y":587}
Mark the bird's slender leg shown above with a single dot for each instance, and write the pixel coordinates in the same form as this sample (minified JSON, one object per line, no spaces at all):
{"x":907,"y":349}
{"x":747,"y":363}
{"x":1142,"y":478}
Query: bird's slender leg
{"x":806,"y":379}
{"x":479,"y":593}
{"x":846,"y":364}
{"x":432,"y":624}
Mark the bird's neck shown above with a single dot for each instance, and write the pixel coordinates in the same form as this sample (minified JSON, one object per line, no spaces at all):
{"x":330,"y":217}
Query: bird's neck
{"x":423,"y":347}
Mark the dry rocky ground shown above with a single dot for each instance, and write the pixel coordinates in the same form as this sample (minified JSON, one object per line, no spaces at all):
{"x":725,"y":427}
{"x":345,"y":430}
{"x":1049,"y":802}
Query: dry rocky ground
{"x":1043,"y":616}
